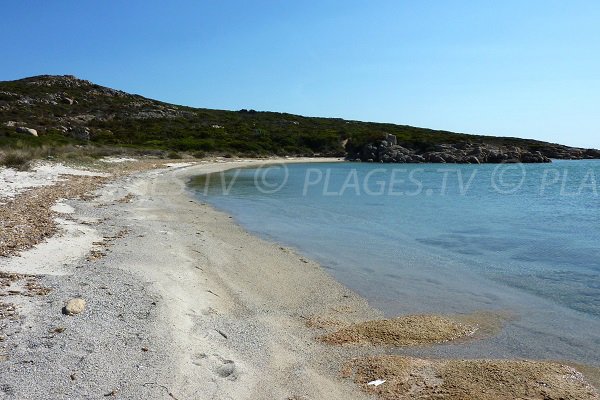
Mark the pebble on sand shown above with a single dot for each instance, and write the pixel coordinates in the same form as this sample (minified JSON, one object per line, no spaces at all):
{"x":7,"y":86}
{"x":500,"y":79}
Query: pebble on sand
{"x":74,"y":307}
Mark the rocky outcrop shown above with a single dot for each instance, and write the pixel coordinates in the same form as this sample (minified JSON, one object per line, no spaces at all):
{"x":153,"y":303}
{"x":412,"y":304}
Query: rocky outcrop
{"x":569,"y":153}
{"x":462,"y":153}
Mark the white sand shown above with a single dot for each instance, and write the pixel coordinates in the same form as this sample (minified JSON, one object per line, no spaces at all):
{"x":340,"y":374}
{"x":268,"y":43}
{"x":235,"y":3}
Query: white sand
{"x":13,"y":182}
{"x":220,"y":313}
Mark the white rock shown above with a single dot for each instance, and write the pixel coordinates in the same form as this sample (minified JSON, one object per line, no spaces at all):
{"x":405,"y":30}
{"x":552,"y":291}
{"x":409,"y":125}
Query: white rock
{"x":74,"y":306}
{"x":30,"y":131}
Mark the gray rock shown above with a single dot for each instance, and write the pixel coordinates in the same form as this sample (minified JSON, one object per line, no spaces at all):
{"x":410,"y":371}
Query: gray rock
{"x":80,"y":132}
{"x":391,"y":139}
{"x":472,"y":160}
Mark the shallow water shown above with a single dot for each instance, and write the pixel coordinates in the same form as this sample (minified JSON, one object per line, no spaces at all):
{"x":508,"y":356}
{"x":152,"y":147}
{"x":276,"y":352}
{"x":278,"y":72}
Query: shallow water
{"x":444,"y":238}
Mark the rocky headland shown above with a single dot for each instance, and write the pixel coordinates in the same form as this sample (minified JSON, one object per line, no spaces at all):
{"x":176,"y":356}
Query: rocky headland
{"x":389,"y":150}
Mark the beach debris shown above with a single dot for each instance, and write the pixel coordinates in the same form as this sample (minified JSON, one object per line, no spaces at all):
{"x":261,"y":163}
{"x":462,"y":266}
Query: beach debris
{"x":12,"y":284}
{"x":74,"y":306}
{"x":410,"y":330}
{"x":220,"y":332}
{"x":376,"y":382}
{"x":127,"y":199}
{"x":95,"y":255}
{"x":420,"y":379}
{"x":27,"y":218}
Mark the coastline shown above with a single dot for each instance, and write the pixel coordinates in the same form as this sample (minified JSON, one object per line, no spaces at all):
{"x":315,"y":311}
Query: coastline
{"x":181,"y":303}
{"x":181,"y":298}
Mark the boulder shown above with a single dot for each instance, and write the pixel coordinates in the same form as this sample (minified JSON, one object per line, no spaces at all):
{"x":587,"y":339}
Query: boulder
{"x":434,"y":158}
{"x":27,"y":131}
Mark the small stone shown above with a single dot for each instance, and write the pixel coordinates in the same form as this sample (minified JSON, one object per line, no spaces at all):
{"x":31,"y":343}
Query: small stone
{"x":74,"y":307}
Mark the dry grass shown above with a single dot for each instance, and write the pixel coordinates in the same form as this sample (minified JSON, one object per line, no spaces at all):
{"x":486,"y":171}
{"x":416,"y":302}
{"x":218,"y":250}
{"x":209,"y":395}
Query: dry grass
{"x":19,"y":160}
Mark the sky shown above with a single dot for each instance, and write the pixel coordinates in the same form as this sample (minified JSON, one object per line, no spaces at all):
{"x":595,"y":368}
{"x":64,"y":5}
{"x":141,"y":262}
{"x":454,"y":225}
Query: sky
{"x":510,"y":68}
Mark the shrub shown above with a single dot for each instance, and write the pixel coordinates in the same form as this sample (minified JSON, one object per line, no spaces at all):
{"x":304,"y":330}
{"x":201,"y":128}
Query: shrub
{"x":19,"y":160}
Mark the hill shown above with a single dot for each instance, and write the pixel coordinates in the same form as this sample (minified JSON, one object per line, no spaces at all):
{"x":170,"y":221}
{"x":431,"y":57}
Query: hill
{"x":64,"y":109}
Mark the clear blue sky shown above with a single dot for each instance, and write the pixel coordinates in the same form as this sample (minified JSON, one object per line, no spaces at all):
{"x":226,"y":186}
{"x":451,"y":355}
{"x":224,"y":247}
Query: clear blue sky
{"x":511,"y":67}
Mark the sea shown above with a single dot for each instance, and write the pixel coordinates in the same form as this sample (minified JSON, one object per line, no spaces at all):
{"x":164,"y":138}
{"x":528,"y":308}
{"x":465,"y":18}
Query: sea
{"x":520,"y":240}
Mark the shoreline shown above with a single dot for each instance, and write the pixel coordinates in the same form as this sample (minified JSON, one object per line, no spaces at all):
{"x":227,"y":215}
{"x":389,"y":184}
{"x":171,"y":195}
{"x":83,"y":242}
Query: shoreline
{"x":168,"y":298}
{"x":181,"y":302}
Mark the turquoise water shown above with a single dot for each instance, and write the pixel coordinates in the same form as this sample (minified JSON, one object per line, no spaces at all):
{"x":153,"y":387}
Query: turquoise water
{"x":444,"y":238}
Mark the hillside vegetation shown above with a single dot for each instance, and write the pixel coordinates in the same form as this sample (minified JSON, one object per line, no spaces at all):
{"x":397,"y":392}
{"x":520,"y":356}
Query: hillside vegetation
{"x":66,"y":110}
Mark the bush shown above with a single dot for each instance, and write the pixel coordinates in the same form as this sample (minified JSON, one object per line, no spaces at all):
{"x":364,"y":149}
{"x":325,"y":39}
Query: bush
{"x":199,"y":154}
{"x":174,"y":155}
{"x":19,"y":160}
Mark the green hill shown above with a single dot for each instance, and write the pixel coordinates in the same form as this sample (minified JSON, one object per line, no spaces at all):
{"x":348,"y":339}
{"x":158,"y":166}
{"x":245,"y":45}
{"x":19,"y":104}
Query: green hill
{"x":64,"y":109}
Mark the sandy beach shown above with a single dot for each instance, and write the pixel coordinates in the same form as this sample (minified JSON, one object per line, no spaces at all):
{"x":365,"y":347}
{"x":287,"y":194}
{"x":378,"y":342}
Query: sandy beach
{"x":182,"y":303}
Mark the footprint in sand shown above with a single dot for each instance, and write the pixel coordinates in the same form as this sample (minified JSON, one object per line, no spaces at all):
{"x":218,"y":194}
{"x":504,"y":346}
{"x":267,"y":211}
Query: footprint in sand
{"x":220,"y":366}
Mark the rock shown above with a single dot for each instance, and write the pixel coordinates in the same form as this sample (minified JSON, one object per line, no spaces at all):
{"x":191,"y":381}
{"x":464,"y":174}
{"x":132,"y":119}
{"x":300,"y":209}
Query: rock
{"x":388,"y":151}
{"x":472,"y":160}
{"x":434,"y":158}
{"x":80,"y":132}
{"x":391,"y":139}
{"x":67,"y":100}
{"x":27,"y":131}
{"x":10,"y":124}
{"x":74,"y":306}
